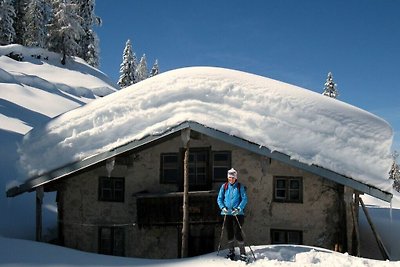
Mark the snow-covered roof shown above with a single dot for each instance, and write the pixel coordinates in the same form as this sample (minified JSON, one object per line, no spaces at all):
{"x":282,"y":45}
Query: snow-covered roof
{"x":307,"y":126}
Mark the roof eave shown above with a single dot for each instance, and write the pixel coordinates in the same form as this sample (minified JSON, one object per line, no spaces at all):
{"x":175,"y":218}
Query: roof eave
{"x":32,"y":183}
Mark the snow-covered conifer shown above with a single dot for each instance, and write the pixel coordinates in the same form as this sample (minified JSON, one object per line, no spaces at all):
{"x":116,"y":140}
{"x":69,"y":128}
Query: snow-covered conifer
{"x":155,"y":69}
{"x":7,"y":16}
{"x":141,"y":70}
{"x":89,"y":42}
{"x":65,"y":30}
{"x":394,"y":172}
{"x":35,"y":21}
{"x":330,"y":87}
{"x":92,"y":49}
{"x":128,"y":66}
{"x":19,"y":22}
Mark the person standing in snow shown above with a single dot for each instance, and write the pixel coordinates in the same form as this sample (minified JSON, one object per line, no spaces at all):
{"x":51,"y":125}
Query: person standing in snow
{"x":232,"y":200}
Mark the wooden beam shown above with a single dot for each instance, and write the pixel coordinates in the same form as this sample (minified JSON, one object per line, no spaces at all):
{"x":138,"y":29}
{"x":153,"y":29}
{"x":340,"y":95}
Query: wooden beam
{"x":356,"y":231}
{"x":381,"y":246}
{"x":185,"y":134}
{"x":39,"y":202}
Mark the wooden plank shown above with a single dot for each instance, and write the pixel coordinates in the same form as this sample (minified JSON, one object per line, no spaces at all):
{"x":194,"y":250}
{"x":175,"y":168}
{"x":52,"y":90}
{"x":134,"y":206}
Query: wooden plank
{"x":39,"y":202}
{"x":185,"y":220}
{"x":381,"y":246}
{"x":354,"y":213}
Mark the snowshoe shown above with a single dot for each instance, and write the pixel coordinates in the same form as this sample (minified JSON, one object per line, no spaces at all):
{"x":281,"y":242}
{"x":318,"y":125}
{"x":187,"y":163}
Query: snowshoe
{"x":231,"y":255}
{"x":243,"y":257}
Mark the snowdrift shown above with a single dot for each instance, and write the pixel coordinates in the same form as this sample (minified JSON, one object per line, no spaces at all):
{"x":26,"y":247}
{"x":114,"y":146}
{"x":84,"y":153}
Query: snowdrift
{"x":307,"y":126}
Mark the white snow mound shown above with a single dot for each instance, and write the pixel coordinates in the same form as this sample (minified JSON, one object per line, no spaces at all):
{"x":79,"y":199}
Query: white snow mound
{"x":305,"y":125}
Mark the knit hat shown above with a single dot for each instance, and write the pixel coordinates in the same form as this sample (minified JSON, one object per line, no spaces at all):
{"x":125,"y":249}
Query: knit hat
{"x":232,"y":173}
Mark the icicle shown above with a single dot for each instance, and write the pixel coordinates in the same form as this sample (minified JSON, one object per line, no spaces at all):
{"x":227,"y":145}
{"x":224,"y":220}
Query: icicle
{"x":110,"y":165}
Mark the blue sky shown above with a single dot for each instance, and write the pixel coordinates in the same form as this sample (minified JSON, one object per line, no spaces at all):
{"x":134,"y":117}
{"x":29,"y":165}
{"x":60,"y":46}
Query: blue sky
{"x":293,"y":41}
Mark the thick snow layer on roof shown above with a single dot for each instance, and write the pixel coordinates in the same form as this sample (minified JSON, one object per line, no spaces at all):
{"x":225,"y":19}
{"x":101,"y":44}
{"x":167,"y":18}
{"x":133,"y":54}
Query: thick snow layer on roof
{"x":305,"y":125}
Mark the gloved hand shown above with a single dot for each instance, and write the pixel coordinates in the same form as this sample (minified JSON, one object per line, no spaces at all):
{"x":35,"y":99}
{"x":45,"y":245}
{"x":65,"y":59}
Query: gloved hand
{"x":224,"y":210}
{"x":235,"y":211}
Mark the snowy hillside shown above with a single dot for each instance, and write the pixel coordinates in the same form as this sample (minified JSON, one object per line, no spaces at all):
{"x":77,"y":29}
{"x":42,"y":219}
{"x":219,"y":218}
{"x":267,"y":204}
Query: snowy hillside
{"x":35,"y":87}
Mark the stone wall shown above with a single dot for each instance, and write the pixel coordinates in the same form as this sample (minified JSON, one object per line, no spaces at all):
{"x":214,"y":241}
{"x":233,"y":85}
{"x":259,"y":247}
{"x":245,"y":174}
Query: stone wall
{"x":318,"y":216}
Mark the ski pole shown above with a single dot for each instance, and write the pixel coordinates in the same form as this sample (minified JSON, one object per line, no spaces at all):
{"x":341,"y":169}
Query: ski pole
{"x":244,"y":237}
{"x":222,"y":233}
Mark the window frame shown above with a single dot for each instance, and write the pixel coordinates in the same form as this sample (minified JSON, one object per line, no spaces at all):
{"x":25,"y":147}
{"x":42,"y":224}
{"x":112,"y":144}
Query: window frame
{"x":286,"y":234}
{"x":214,"y":165}
{"x":287,"y":189}
{"x":163,"y":179}
{"x":113,"y":196}
{"x":112,"y":248}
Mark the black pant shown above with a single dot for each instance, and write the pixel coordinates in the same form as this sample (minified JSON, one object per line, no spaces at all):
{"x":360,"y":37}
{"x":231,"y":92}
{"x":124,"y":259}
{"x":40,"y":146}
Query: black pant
{"x":233,"y":229}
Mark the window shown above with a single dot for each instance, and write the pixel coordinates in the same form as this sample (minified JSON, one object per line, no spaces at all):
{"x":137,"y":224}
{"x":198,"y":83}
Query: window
{"x":111,"y":241}
{"x":204,"y":167}
{"x":286,"y":237}
{"x":288,"y":189}
{"x":169,"y":169}
{"x":221,"y":165}
{"x":111,"y":189}
{"x":198,"y":167}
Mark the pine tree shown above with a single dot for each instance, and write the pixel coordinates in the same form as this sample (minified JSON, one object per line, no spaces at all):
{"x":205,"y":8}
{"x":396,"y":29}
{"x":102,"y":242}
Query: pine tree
{"x":89,"y":43}
{"x":394,"y":172}
{"x":128,"y":66}
{"x":141,"y":70}
{"x":92,"y":49}
{"x":330,"y":87}
{"x":155,"y":69}
{"x":65,"y":30}
{"x":20,"y":7}
{"x":35,"y":19}
{"x":7,"y":16}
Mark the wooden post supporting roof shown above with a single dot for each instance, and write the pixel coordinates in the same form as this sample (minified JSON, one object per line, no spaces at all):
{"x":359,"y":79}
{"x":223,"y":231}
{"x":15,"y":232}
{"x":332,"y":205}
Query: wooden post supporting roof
{"x":356,"y":231}
{"x":185,"y":134}
{"x":381,"y":246}
{"x":39,"y":202}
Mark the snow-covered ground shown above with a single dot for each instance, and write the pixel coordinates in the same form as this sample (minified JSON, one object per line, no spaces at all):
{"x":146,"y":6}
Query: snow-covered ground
{"x":35,"y":90}
{"x":28,"y":253}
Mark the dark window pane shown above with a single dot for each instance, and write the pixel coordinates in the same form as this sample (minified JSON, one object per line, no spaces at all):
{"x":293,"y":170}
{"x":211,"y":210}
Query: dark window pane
{"x":111,"y":241}
{"x":220,"y":173}
{"x":119,"y":184}
{"x":221,"y":157}
{"x":201,"y":170}
{"x":294,"y":237}
{"x":281,"y":194}
{"x":119,"y":195}
{"x":294,"y":184}
{"x":191,"y":157}
{"x":169,"y":168}
{"x":111,"y":189}
{"x":105,"y":241}
{"x":221,"y":165}
{"x":170,"y":159}
{"x":118,"y":249}
{"x":278,"y":237}
{"x":106,"y":194}
{"x":294,"y":195}
{"x":201,"y":179}
{"x":288,"y":189}
{"x":170,"y":175}
{"x":281,"y":183}
{"x":201,"y":157}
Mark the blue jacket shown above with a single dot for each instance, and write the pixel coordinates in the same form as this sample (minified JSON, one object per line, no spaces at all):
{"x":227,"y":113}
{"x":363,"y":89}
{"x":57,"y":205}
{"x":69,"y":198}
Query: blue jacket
{"x":230,"y":198}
